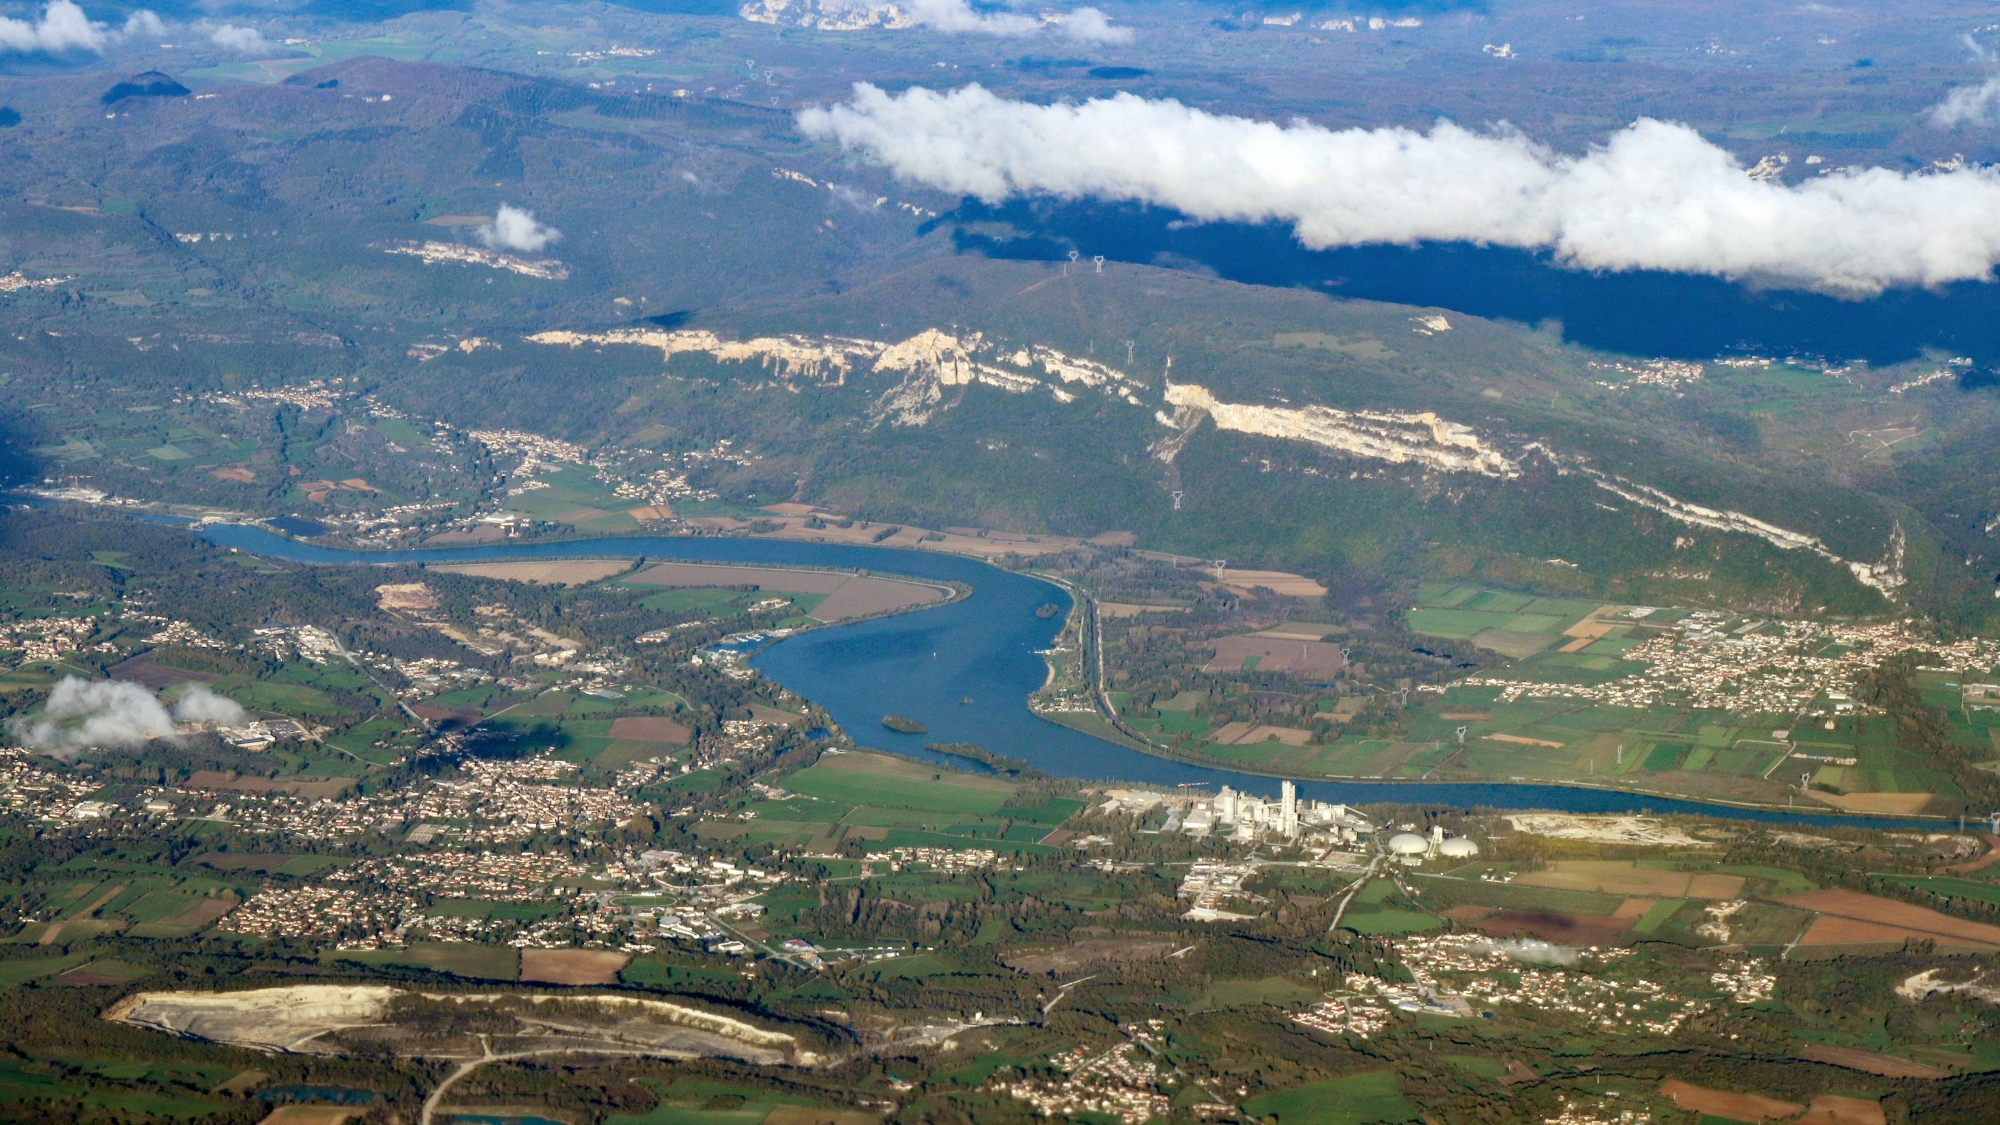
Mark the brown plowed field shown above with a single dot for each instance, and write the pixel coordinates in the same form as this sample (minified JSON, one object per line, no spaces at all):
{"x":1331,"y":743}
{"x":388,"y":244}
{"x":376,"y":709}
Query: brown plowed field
{"x":141,"y":670}
{"x":1118,"y":609}
{"x":1721,"y":1103}
{"x":477,"y":535}
{"x":309,"y":1115}
{"x":571,"y":966}
{"x":1830,"y":930}
{"x":1633,"y":909}
{"x":206,"y":912}
{"x":650,"y":728}
{"x":216,"y":779}
{"x":1847,"y":917}
{"x":819,"y":1115}
{"x":1276,"y":581}
{"x":1887,"y":1066}
{"x":1618,"y":877}
{"x":1313,"y":660}
{"x":1905,"y":804}
{"x":858,"y":597}
{"x":1830,"y":1109}
{"x":562,"y":573}
{"x":1250,"y":734}
{"x":763,"y":577}
{"x":847,"y":595}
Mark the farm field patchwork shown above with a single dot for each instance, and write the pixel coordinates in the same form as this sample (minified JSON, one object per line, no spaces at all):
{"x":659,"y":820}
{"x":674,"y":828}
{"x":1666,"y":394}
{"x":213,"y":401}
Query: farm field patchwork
{"x":1850,"y":918}
{"x":1588,"y":710}
{"x":886,"y":802}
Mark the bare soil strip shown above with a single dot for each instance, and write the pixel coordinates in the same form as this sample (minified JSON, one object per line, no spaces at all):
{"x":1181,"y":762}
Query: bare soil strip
{"x":1887,"y":1066}
{"x":1849,"y":917}
{"x":1721,"y":1103}
{"x":569,"y":572}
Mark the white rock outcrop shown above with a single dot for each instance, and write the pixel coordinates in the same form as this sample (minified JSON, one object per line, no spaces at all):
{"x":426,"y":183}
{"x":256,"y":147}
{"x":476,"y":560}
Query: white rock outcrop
{"x":1420,"y":439}
{"x":929,"y":364}
{"x":270,"y":1019}
{"x":1885,"y":577}
{"x":935,"y":367}
{"x":823,"y":359}
{"x":828,"y":15}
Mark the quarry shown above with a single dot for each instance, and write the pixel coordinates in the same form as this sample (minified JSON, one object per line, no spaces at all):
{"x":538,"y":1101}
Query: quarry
{"x":338,"y":1019}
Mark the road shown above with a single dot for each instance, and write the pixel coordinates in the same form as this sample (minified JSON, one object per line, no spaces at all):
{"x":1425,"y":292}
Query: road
{"x":1063,"y":990}
{"x":1355,"y":887}
{"x":470,"y":1065}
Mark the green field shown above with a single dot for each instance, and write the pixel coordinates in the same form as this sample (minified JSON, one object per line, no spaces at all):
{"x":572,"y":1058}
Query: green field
{"x":1278,"y":992}
{"x":32,"y":1081}
{"x":695,"y":1102}
{"x":1383,"y":922}
{"x":479,"y":962}
{"x":1953,"y":888}
{"x":1516,"y":897}
{"x":1358,"y":1099}
{"x":877,"y":785}
{"x":1658,"y":913}
{"x":649,"y":973}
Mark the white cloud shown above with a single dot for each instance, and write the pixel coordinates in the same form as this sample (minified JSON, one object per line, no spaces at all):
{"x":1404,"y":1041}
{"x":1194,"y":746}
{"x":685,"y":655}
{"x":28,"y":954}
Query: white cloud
{"x":1089,"y":25}
{"x":64,"y":27}
{"x":112,"y":714}
{"x":242,"y":40}
{"x":1531,"y":950}
{"x":200,"y":705}
{"x":1656,"y":196}
{"x":957,"y":15}
{"x":515,"y":228}
{"x":1968,"y":105}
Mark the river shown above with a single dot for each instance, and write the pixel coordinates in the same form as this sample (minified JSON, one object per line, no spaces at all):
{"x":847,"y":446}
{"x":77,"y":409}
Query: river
{"x":984,"y":648}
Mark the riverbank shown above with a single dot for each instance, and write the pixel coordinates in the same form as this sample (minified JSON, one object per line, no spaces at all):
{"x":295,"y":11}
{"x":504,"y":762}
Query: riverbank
{"x":986,"y":647}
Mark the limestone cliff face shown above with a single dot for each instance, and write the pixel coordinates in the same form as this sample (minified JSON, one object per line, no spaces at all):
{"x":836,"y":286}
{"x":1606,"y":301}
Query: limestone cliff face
{"x":934,"y":369}
{"x":930,"y":364}
{"x":1421,"y":439}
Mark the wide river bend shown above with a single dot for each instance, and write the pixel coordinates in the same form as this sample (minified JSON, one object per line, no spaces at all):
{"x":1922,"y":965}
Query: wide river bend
{"x":984,"y":648}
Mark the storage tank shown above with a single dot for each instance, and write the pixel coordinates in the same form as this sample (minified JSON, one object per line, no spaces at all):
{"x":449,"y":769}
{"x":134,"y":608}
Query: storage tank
{"x":1458,"y":847}
{"x":1408,"y":843}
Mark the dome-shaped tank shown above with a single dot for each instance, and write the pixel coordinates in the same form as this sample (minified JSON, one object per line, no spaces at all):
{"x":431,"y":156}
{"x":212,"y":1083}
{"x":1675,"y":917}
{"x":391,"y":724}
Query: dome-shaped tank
{"x":1458,"y":847}
{"x":1408,"y":843}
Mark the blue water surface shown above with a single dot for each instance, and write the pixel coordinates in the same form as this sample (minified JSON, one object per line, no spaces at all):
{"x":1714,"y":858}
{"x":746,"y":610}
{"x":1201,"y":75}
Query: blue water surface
{"x":984,"y":648}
